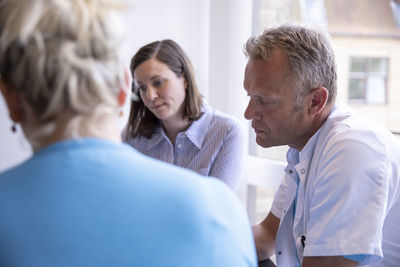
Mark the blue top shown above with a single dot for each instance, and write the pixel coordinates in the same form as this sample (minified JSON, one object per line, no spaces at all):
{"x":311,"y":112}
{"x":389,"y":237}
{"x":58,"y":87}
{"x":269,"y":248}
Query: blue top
{"x":213,"y":145}
{"x":91,"y":202}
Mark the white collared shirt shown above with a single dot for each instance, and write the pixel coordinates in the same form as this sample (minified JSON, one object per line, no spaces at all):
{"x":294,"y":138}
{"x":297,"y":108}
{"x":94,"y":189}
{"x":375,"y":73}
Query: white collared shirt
{"x":348,"y":188}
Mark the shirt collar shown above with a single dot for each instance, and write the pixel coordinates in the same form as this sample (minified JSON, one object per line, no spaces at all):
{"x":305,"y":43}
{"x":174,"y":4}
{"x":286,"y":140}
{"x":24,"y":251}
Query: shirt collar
{"x":197,"y":131}
{"x":156,"y":137}
{"x":292,"y":157}
{"x":302,"y":158}
{"x":307,"y":152}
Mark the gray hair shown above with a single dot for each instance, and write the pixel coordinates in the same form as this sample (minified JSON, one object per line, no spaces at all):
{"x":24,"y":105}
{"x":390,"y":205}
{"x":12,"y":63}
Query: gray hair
{"x":62,"y":56}
{"x":310,"y":55}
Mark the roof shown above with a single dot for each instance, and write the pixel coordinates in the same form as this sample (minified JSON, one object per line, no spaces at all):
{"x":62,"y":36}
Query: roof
{"x":362,"y":18}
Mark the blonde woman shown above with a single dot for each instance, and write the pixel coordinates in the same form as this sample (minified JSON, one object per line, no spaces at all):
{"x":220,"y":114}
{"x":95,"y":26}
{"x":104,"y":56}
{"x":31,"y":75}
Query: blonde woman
{"x":84,"y":198}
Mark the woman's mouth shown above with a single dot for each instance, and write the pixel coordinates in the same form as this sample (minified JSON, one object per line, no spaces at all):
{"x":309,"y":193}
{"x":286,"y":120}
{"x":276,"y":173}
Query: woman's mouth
{"x":155,"y":107}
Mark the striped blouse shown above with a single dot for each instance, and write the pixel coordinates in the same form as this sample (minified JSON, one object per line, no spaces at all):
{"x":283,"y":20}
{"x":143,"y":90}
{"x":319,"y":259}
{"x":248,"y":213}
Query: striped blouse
{"x":213,"y":145}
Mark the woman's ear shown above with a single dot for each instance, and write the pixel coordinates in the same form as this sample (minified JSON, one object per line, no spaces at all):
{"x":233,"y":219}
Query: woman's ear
{"x":124,"y":90}
{"x":13,"y":101}
{"x":318,"y":99}
{"x":121,"y":97}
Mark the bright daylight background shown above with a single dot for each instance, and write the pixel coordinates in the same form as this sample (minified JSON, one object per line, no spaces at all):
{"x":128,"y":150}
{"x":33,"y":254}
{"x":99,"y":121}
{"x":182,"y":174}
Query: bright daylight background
{"x":365,"y":36}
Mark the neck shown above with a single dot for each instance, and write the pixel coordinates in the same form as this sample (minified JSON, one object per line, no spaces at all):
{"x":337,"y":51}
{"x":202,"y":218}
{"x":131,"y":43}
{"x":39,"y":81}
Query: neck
{"x":316,"y":124}
{"x":105,"y":127}
{"x":173,"y":127}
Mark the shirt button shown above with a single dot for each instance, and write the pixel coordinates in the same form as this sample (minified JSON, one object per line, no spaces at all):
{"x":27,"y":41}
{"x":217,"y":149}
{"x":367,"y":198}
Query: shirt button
{"x":279,"y":252}
{"x":303,"y":171}
{"x":179,"y":145}
{"x":290,"y":171}
{"x":284,"y":211}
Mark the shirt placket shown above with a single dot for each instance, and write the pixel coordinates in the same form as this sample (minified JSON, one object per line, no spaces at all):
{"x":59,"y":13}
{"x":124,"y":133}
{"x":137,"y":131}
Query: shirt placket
{"x":286,"y":223}
{"x":298,"y":223}
{"x":177,"y":149}
{"x":169,"y":157}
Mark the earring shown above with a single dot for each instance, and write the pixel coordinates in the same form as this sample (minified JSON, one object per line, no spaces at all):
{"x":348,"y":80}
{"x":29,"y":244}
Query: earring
{"x":14,"y":128}
{"x":121,"y":113}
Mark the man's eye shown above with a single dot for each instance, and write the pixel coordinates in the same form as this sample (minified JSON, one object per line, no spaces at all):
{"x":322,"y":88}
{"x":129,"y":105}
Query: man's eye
{"x":267,"y":103}
{"x":264,"y":102}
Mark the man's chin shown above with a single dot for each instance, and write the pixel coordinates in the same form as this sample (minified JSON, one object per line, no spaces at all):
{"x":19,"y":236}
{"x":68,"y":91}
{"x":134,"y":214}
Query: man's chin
{"x":263,"y":142}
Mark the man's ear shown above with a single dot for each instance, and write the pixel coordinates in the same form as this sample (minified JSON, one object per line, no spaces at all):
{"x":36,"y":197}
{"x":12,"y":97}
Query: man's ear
{"x":318,"y":99}
{"x":124,"y":90}
{"x":13,"y":101}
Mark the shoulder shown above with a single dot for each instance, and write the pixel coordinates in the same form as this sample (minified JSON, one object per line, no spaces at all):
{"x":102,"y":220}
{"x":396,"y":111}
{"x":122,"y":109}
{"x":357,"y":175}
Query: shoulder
{"x":225,"y":123}
{"x":357,"y":133}
{"x":10,"y":174}
{"x":350,"y":146}
{"x":344,"y":130}
{"x":199,"y":196}
{"x":140,"y":143}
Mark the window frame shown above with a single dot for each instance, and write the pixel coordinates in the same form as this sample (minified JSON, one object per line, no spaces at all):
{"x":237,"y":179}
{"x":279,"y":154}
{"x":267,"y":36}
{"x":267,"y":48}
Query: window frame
{"x":365,"y":75}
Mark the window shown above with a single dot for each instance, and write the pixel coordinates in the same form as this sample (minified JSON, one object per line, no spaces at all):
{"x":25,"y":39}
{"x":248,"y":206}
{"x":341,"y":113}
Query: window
{"x":367,"y":80}
{"x":314,"y":12}
{"x":395,"y":5}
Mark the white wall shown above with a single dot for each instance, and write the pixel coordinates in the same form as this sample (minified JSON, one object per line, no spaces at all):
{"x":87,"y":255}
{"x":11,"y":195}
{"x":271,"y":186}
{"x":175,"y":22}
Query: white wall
{"x":13,"y":146}
{"x":184,"y":21}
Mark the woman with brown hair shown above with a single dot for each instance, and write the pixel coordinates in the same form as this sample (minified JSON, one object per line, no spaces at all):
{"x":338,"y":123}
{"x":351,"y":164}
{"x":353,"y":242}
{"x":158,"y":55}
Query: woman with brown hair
{"x":170,"y":121}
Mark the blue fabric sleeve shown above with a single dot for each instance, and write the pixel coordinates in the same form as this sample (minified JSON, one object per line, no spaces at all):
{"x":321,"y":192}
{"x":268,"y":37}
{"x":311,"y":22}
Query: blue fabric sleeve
{"x":356,"y":257}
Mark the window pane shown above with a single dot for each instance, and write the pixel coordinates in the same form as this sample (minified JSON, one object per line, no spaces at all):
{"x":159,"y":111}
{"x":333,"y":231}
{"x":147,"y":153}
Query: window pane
{"x":379,"y":65}
{"x":357,"y":65}
{"x":376,"y":90}
{"x":356,"y":89}
{"x":316,"y":12}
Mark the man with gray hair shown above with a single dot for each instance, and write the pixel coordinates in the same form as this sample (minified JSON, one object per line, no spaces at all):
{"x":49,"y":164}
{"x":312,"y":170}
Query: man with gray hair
{"x":338,"y":203}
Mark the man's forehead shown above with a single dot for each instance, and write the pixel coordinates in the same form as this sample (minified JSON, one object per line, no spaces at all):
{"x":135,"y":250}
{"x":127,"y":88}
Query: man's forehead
{"x":267,"y":77}
{"x":260,"y":71}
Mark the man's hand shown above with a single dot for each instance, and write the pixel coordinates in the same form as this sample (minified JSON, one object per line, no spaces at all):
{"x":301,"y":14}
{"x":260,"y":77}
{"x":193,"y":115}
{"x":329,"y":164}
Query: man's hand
{"x":328,"y":261}
{"x":265,"y":236}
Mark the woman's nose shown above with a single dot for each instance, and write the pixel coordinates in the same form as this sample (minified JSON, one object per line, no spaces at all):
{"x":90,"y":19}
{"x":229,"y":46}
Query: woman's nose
{"x":151,"y":93}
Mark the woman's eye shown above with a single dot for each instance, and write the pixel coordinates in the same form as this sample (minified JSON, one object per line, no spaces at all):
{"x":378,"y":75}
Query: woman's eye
{"x":158,"y":83}
{"x":142,"y":87}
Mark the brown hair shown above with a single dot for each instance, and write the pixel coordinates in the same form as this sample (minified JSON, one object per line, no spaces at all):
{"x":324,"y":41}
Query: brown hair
{"x":141,"y":120}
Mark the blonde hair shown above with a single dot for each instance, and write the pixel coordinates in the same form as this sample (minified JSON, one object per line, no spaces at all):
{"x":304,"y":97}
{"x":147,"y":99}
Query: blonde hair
{"x":62,"y":57}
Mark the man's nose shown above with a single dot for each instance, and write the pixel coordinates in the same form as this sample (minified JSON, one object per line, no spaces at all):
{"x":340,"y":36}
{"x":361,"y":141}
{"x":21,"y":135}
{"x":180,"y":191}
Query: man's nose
{"x":250,"y":113}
